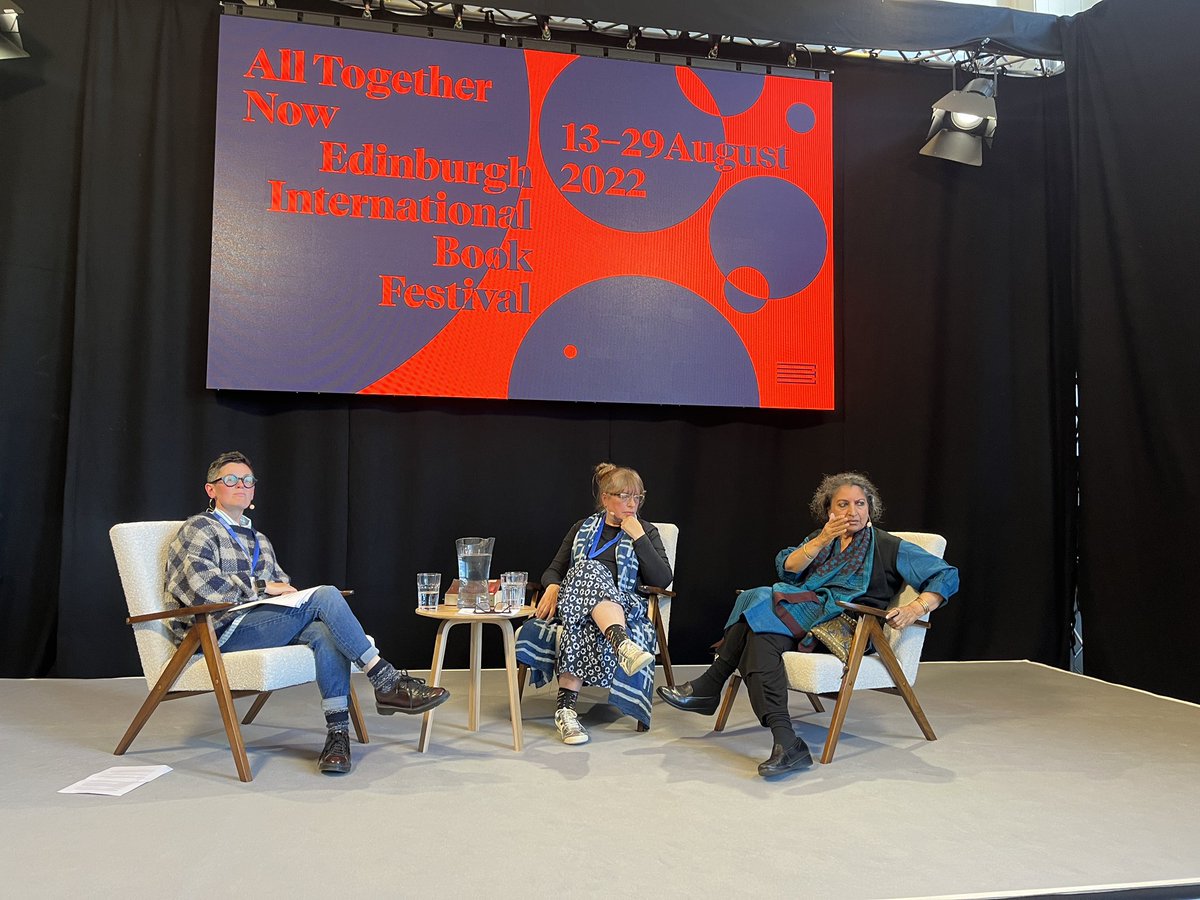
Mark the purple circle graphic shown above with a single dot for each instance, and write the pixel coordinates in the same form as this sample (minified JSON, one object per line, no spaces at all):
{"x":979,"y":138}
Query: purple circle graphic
{"x":788,"y":254}
{"x":801,"y":118}
{"x":611,"y":131}
{"x":734,"y":92}
{"x":638,"y":340}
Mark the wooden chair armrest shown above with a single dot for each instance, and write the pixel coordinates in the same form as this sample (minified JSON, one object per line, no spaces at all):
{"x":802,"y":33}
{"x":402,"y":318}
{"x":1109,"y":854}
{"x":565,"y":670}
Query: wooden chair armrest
{"x":650,"y":589}
{"x":181,"y":613}
{"x":872,"y":611}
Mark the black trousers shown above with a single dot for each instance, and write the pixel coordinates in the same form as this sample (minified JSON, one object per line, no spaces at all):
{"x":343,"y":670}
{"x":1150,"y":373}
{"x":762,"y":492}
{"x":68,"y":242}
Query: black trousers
{"x":759,"y":657}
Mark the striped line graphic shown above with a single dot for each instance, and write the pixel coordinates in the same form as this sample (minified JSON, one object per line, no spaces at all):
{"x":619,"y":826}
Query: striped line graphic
{"x":796,"y":373}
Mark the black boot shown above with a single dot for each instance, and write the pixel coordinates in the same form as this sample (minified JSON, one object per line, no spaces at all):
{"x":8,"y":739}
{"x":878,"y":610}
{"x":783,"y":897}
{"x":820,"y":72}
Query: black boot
{"x":784,"y":759}
{"x":335,"y":758}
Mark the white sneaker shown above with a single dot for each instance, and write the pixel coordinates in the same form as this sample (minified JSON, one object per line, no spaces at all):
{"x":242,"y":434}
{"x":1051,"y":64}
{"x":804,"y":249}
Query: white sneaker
{"x":632,"y":657}
{"x":569,"y":728}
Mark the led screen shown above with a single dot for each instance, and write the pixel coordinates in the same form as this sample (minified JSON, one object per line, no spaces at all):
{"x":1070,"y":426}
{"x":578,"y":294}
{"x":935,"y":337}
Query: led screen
{"x":410,"y":216}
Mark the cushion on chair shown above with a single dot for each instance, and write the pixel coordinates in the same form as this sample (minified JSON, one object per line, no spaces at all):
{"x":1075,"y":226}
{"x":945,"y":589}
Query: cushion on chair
{"x":254,"y":670}
{"x":821,"y":673}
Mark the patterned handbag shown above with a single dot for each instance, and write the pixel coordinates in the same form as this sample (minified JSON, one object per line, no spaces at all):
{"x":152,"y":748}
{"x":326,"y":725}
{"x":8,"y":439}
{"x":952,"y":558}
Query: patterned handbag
{"x":836,"y":635}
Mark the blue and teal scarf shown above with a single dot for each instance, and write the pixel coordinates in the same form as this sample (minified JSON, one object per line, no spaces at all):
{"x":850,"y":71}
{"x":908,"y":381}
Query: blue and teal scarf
{"x":800,"y":601}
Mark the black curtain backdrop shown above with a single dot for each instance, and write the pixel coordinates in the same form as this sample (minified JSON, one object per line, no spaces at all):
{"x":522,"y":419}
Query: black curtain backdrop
{"x":1137,"y":267}
{"x":956,"y":363}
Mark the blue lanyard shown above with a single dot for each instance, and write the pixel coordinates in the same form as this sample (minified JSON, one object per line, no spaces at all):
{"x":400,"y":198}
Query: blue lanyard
{"x":233,"y":534}
{"x":596,"y":548}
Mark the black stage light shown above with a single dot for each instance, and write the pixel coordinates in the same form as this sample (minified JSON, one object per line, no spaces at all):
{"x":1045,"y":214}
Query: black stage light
{"x":963,"y":121}
{"x":10,"y":32}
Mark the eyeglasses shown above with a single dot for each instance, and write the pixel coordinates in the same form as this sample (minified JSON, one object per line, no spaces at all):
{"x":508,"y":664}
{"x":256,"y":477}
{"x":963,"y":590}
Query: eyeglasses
{"x":232,"y":480}
{"x":625,"y":497}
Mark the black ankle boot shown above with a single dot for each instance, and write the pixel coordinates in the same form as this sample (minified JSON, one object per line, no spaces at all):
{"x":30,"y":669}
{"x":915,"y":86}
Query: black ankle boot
{"x":335,"y":758}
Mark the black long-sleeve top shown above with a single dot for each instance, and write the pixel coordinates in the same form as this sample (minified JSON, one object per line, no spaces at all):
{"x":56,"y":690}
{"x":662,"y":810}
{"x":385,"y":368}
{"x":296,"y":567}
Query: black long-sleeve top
{"x":653,"y":568}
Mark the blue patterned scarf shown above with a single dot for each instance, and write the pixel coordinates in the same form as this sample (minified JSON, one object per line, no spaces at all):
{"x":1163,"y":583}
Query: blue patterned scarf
{"x":799,"y":601}
{"x":627,"y":561}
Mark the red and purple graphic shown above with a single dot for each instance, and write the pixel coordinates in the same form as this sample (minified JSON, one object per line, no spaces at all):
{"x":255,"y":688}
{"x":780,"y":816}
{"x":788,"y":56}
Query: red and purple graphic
{"x":400,"y":215}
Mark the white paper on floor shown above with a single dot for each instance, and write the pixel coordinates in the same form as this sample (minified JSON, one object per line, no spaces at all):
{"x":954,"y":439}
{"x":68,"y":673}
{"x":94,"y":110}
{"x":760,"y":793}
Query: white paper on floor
{"x":116,"y":781}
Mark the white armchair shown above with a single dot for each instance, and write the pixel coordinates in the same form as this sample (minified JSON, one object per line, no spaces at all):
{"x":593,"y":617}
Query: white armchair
{"x":197,"y":665}
{"x":892,"y":669}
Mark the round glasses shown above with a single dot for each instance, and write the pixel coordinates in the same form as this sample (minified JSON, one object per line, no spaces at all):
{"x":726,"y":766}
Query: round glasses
{"x":232,"y":480}
{"x":625,"y":497}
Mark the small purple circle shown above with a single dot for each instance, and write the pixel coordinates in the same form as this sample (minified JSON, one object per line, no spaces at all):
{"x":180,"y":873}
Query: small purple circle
{"x":801,"y":118}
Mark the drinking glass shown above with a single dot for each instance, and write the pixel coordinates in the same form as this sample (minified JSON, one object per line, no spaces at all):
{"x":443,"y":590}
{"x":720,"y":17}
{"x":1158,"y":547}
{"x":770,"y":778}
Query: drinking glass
{"x":512,"y":591}
{"x":429,"y":587}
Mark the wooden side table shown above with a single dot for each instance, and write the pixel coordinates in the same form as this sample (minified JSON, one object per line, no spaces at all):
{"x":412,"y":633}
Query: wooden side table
{"x":449,"y":616}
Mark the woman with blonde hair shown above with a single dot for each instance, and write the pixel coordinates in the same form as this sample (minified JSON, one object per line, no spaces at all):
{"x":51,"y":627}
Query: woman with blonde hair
{"x":590,"y":626}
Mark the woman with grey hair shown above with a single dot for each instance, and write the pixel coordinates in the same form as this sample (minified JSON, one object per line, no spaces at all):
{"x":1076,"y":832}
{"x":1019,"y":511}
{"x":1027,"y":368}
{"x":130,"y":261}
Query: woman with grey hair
{"x":846,"y":559}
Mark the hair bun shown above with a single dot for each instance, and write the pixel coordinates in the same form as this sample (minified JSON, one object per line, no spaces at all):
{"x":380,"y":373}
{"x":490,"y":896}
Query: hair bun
{"x":603,"y":469}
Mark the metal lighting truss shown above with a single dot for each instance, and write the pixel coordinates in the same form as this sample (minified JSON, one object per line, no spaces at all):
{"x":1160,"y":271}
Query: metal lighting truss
{"x":974,"y":59}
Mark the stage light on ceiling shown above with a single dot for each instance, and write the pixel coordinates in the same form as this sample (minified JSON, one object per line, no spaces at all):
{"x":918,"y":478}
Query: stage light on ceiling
{"x":10,"y":32}
{"x":963,"y":121}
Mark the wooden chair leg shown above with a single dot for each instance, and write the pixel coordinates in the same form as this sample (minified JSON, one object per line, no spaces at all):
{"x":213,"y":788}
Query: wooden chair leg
{"x":522,"y":672}
{"x":858,"y":646}
{"x":183,"y":655}
{"x":642,"y":726}
{"x":356,"y":717}
{"x":888,"y":657}
{"x":216,"y":671}
{"x":727,"y":702}
{"x":815,"y":701}
{"x":661,"y":633}
{"x":259,"y":702}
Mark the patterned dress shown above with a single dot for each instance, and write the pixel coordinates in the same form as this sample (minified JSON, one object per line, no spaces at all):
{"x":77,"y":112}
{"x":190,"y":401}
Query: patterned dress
{"x":573,"y":644}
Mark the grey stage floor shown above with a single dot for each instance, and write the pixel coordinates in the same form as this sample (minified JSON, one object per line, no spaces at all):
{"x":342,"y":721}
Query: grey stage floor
{"x":1040,"y":782}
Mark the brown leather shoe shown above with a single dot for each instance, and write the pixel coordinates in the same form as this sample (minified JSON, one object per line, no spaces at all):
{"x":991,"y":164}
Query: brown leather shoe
{"x":335,"y":758}
{"x":409,"y":695}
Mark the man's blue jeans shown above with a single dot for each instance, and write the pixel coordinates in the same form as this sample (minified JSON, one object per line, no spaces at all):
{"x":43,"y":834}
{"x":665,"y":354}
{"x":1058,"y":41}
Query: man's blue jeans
{"x":326,"y":624}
